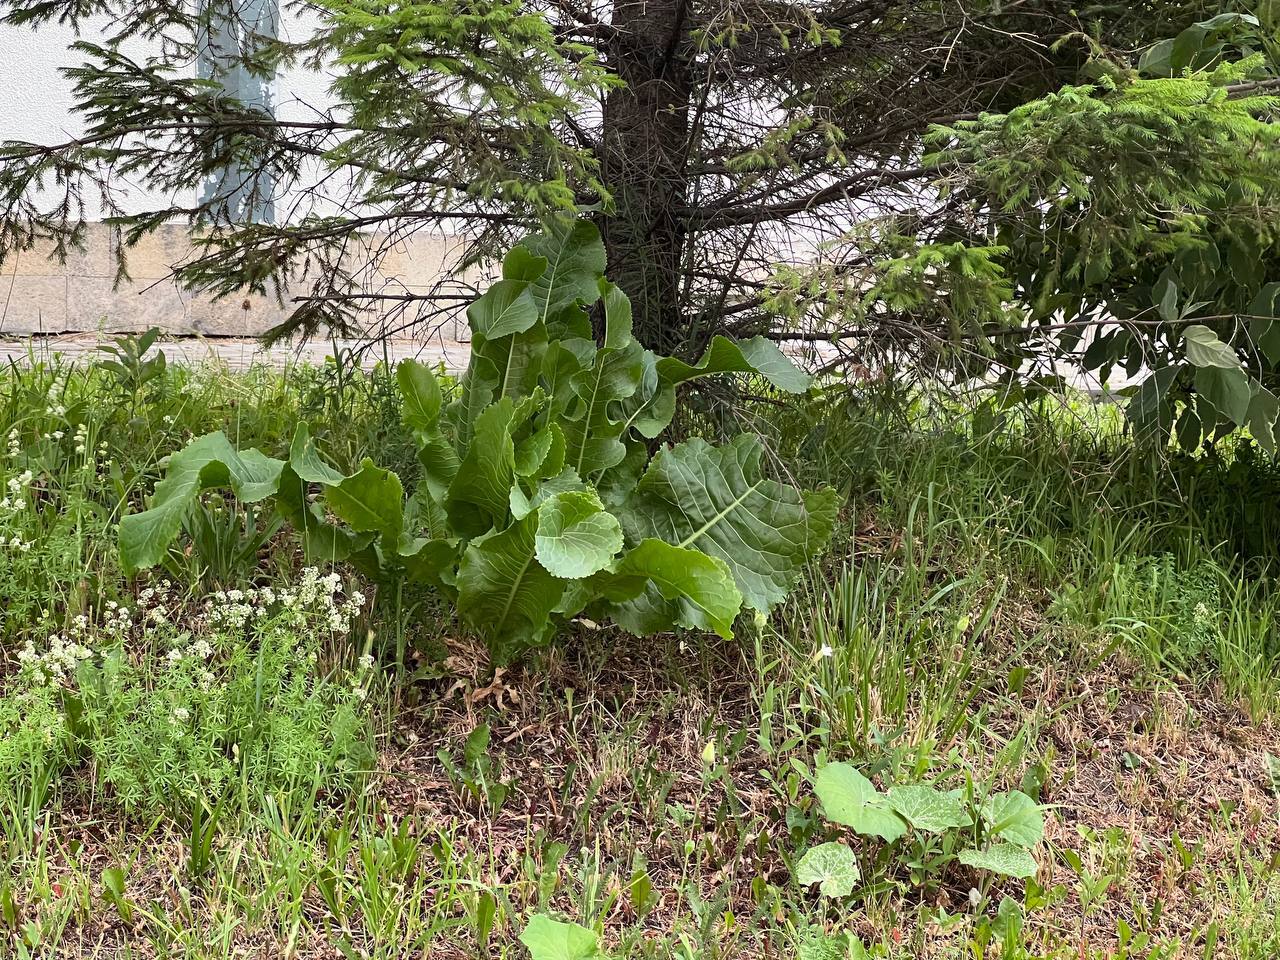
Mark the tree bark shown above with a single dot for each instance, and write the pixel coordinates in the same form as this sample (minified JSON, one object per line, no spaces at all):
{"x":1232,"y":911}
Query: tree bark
{"x":643,"y":161}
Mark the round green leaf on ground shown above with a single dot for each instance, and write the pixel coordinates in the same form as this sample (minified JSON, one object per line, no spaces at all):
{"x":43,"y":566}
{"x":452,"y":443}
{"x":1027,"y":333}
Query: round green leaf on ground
{"x":1005,"y":859}
{"x":830,"y":865}
{"x":850,"y":799}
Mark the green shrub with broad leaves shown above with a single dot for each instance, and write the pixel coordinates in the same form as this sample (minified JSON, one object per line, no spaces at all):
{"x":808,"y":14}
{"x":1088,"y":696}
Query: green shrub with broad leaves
{"x":539,"y":499}
{"x":921,"y":826}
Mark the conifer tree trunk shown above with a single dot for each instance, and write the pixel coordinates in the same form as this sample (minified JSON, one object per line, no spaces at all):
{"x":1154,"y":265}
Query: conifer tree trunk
{"x":644,"y":155}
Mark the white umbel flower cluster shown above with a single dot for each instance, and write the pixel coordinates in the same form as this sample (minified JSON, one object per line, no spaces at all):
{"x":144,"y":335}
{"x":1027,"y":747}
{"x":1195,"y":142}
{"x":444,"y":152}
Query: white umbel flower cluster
{"x":57,"y":663}
{"x":314,"y":594}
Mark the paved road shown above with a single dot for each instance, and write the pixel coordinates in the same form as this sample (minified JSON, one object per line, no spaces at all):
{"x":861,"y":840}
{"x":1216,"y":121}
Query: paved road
{"x":240,"y":354}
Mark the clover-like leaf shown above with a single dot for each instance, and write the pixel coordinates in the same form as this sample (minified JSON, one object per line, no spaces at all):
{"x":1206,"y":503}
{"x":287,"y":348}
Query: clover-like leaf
{"x":928,"y":808}
{"x":848,"y":798}
{"x":1006,"y":859}
{"x":830,"y":865}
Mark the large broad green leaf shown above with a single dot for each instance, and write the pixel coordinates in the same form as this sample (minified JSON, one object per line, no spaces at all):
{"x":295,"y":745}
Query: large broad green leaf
{"x":421,"y":395}
{"x":549,"y":939}
{"x":652,"y":406}
{"x":1150,"y":409}
{"x":479,"y":497}
{"x":830,"y":865}
{"x":717,"y":500}
{"x":1227,"y":390}
{"x":928,"y":808}
{"x":430,"y":561}
{"x":1204,"y":349}
{"x":506,"y":308}
{"x":1264,"y":419}
{"x":757,"y":355}
{"x":575,"y":259}
{"x":1014,"y":817}
{"x":521,"y":264}
{"x":371,"y":500}
{"x":561,"y":362}
{"x":422,"y":402}
{"x":593,"y":437}
{"x":208,"y":461}
{"x":503,"y":592}
{"x":523,"y":503}
{"x":321,"y":539}
{"x":685,"y":588}
{"x":1006,"y":859}
{"x":849,"y":798}
{"x":305,"y":460}
{"x":576,"y":536}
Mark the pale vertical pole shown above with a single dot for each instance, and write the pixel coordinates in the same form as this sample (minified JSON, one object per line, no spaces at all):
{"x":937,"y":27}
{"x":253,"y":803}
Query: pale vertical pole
{"x":232,"y":31}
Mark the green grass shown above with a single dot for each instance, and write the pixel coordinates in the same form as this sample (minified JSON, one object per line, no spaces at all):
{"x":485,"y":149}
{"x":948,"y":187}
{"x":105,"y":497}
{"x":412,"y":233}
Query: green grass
{"x":1026,"y":604}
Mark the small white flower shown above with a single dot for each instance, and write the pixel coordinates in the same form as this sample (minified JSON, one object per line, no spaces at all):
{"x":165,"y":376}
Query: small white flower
{"x":975,"y":897}
{"x":181,"y":714}
{"x":826,"y":651}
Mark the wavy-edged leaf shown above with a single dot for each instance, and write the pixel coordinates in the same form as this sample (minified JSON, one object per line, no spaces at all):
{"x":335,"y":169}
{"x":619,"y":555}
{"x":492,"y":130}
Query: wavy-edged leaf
{"x":593,"y":436}
{"x":576,"y":536}
{"x":830,"y":865}
{"x":689,"y":589}
{"x":758,"y":355}
{"x":522,"y":504}
{"x":927,"y":808}
{"x":503,"y":592}
{"x":575,"y":258}
{"x":1006,"y":859}
{"x":717,"y":500}
{"x":479,"y":497}
{"x":206,"y":462}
